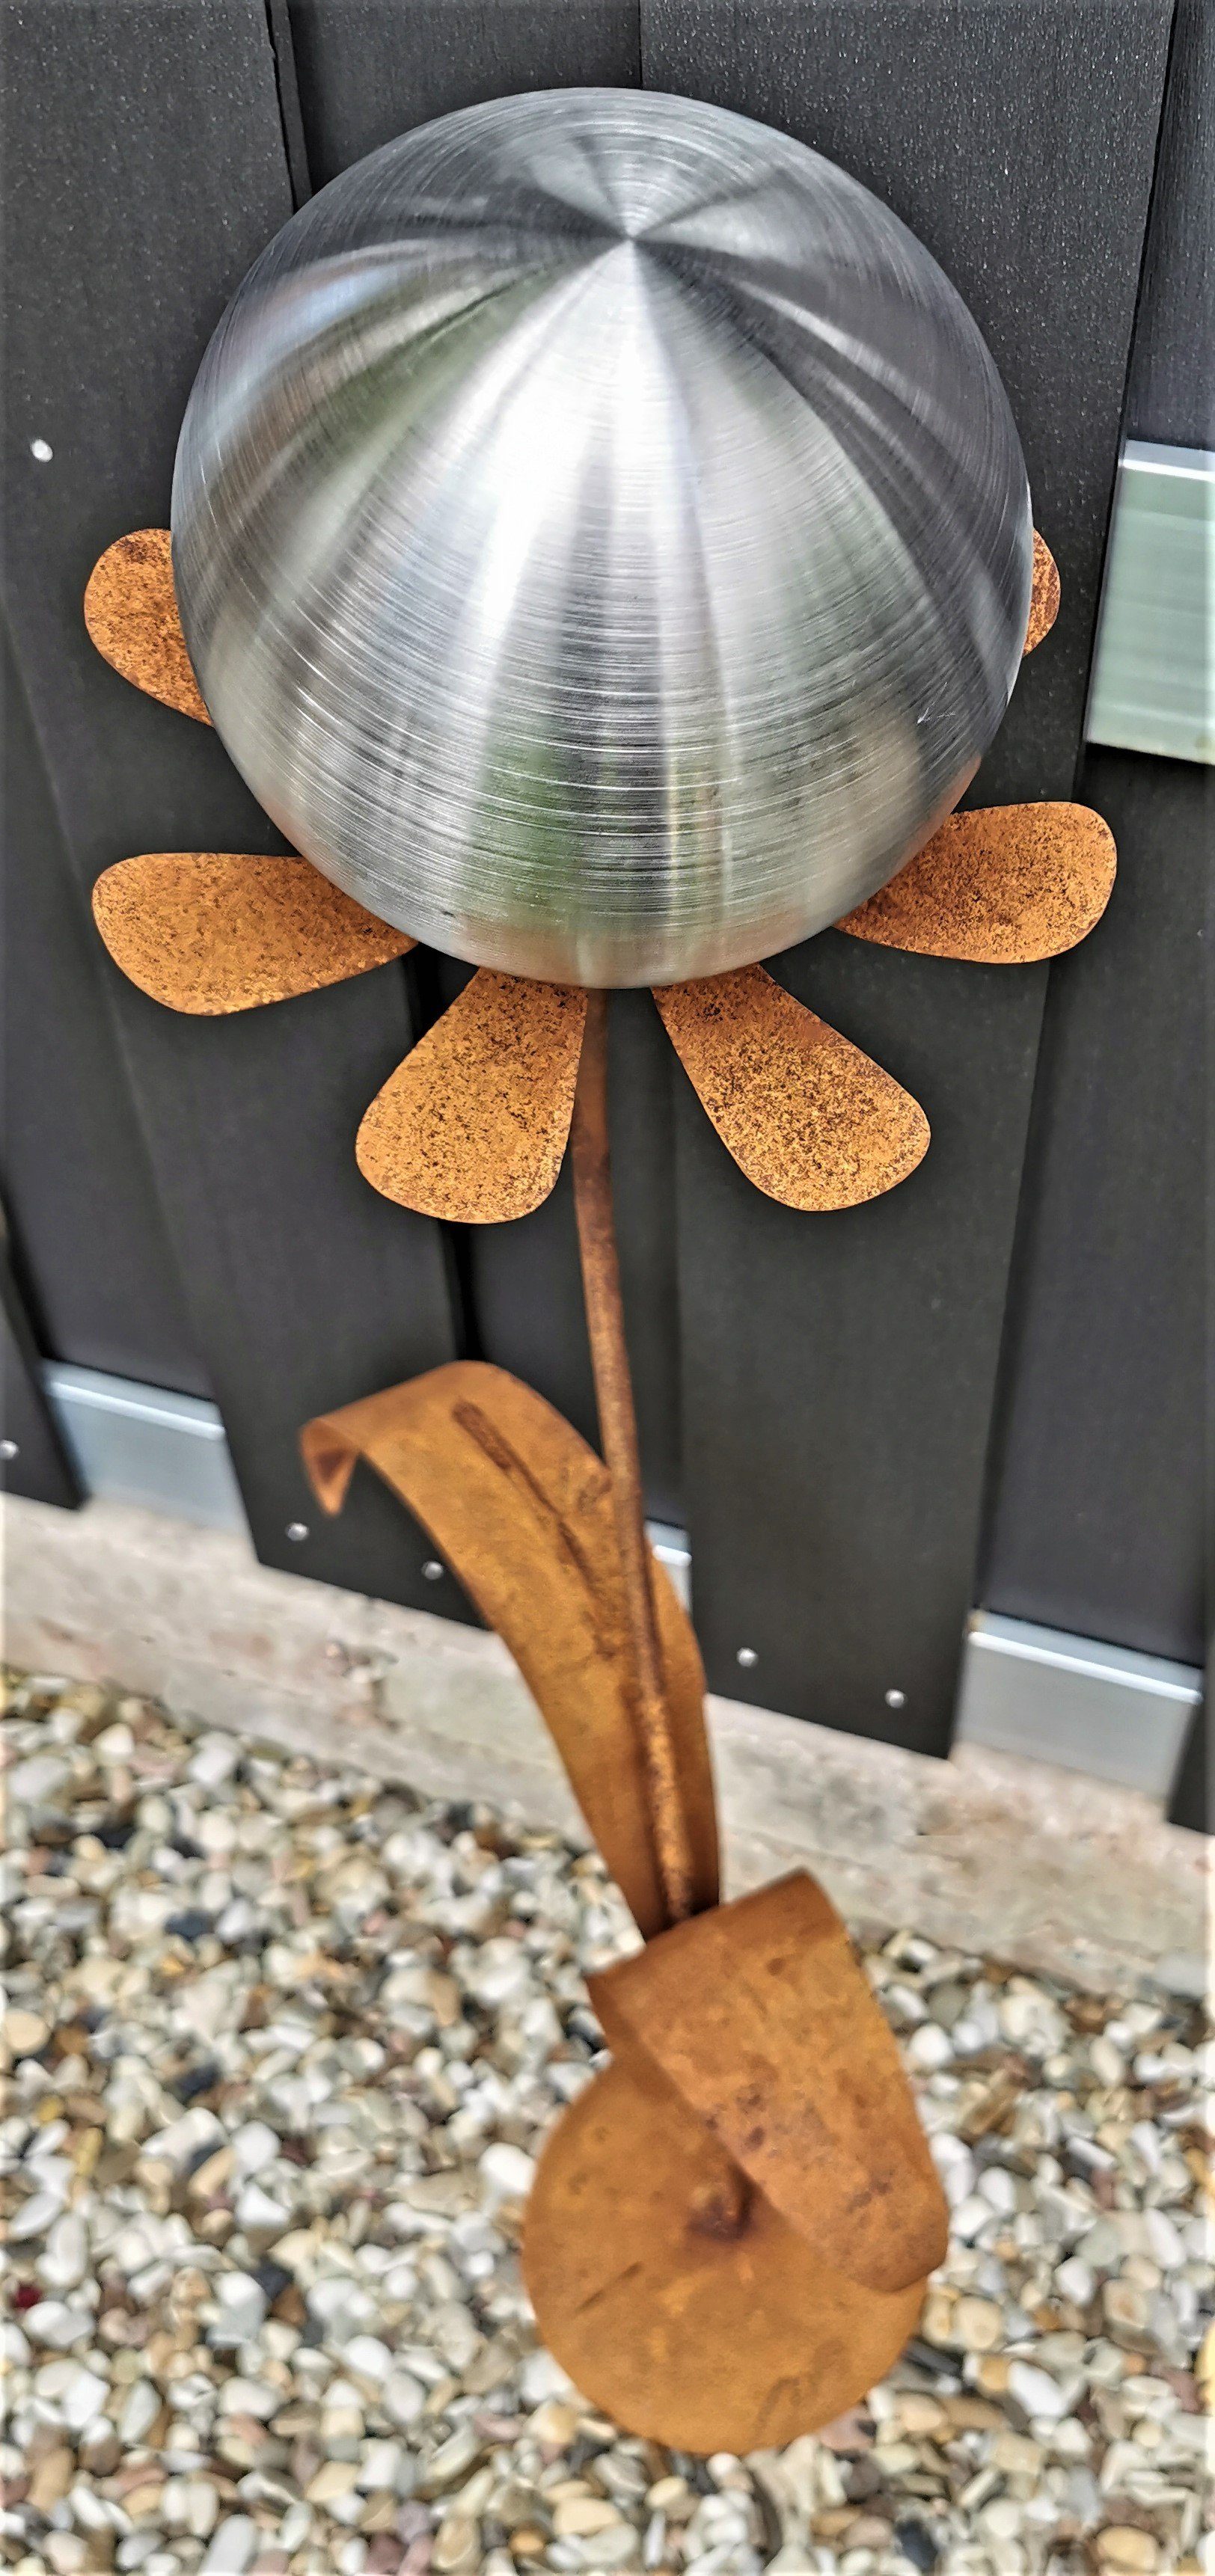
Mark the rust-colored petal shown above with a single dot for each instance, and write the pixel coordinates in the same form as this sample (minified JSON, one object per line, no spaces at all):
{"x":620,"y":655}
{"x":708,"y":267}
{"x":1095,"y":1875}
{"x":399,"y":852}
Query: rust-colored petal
{"x":760,"y":2017}
{"x":1044,"y":597}
{"x":130,"y":610}
{"x":473,"y":1125}
{"x":807,"y":1117}
{"x":1000,"y":887}
{"x":210,"y":931}
{"x":691,"y":2313}
{"x":521,"y":1508}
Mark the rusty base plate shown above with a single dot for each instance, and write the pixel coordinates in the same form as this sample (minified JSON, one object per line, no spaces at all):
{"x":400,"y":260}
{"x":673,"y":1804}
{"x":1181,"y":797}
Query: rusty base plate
{"x":673,"y":2293}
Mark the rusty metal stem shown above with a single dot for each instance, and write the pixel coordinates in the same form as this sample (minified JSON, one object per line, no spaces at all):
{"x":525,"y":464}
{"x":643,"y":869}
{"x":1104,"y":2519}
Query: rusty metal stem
{"x":618,"y":1432}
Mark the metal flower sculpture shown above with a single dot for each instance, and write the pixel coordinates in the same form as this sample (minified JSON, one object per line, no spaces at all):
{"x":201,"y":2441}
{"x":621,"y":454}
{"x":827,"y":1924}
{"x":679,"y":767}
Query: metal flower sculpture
{"x":602,"y":542}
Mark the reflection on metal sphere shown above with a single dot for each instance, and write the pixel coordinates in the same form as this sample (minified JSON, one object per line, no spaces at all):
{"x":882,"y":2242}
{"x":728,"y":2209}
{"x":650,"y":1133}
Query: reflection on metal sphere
{"x":601,"y":537}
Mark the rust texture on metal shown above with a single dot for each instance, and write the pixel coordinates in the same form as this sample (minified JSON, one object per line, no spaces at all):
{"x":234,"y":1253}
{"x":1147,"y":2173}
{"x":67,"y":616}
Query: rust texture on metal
{"x":209,"y":931}
{"x":130,"y":610}
{"x":522,"y":1510}
{"x":1000,"y":887}
{"x":618,"y":1433}
{"x":808,"y":1118}
{"x":473,"y":1124}
{"x":692,"y":2313}
{"x":760,"y":2017}
{"x":1044,"y":597}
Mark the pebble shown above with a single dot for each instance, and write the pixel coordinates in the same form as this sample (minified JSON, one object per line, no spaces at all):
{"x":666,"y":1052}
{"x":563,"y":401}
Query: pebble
{"x":232,"y":2548}
{"x":978,"y":2324}
{"x":1123,"y":2545}
{"x":286,"y":2049}
{"x":403,"y":2399}
{"x":25,"y":2032}
{"x":575,"y":2516}
{"x":1036,"y":2390}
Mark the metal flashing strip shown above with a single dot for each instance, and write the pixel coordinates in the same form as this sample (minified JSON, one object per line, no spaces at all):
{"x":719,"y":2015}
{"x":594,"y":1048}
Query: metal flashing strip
{"x":1028,"y":1690}
{"x":140,"y":1444}
{"x":1153,"y":685}
{"x":1073,"y":1701}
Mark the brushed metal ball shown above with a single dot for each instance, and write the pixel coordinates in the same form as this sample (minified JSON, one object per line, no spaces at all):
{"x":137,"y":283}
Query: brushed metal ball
{"x":602,"y":537}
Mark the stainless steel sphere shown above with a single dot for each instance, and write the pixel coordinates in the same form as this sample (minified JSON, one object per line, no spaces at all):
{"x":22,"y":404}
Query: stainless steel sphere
{"x":602,"y":538}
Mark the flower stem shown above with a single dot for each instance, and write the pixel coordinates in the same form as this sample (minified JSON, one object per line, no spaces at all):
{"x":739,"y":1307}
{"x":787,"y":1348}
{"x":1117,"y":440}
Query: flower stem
{"x":618,"y":1432}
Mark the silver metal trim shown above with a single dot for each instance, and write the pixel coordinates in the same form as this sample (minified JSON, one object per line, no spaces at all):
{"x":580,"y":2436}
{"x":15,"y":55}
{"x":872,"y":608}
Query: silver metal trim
{"x":1153,"y":686}
{"x":142,"y":1444}
{"x":1105,"y":1710}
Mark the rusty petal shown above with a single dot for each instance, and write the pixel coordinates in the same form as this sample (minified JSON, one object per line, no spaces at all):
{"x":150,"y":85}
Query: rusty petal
{"x":1003,"y":886}
{"x":1044,"y":597}
{"x":212,"y":931}
{"x":130,"y":610}
{"x":808,"y":1118}
{"x":473,"y":1124}
{"x":521,"y":1508}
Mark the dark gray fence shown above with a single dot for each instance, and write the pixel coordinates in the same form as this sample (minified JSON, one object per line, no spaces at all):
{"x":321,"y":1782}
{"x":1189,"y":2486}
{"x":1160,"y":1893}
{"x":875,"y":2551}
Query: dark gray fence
{"x":822,"y":1400}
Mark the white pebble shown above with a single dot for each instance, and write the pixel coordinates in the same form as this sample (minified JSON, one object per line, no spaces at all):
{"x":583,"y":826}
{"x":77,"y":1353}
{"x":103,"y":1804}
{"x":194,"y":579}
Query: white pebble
{"x":242,"y":2305}
{"x":184,"y":2139}
{"x":253,"y":2397}
{"x":506,"y":2172}
{"x":38,"y":1781}
{"x":190,"y":2505}
{"x":53,"y":2323}
{"x":1163,"y":2242}
{"x":497,"y":1971}
{"x":998,"y":2189}
{"x":258,"y":2213}
{"x":215,"y":1760}
{"x":65,"y":2261}
{"x":381,"y":2466}
{"x":542,"y":2377}
{"x":232,"y":2547}
{"x":253,"y":2146}
{"x":402,"y":2398}
{"x":1108,"y":2067}
{"x":955,"y":2165}
{"x":369,"y":2357}
{"x":34,"y":2216}
{"x":83,"y":2398}
{"x":1076,"y":2281}
{"x":140,"y":2410}
{"x":929,"y":2047}
{"x":1036,"y":2390}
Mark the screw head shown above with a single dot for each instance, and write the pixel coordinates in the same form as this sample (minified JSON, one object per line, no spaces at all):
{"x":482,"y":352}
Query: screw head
{"x":746,"y":1656}
{"x":9,"y":1449}
{"x":297,"y":1531}
{"x":896,"y":1699}
{"x":432,"y":1571}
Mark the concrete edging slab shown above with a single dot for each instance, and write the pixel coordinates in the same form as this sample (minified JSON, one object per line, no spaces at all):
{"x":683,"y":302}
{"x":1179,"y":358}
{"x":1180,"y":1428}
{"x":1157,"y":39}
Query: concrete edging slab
{"x":1063,"y":1874}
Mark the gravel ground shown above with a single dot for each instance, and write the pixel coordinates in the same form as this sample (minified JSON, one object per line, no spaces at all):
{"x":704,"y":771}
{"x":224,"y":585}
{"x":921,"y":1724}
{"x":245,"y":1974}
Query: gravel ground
{"x":283,"y":2046}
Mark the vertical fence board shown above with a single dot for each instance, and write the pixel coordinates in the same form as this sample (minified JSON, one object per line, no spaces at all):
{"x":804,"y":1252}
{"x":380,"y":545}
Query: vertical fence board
{"x":168,"y":175}
{"x":97,"y":1270}
{"x":371,"y":69}
{"x":839,"y":1373}
{"x":1097,"y":1517}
